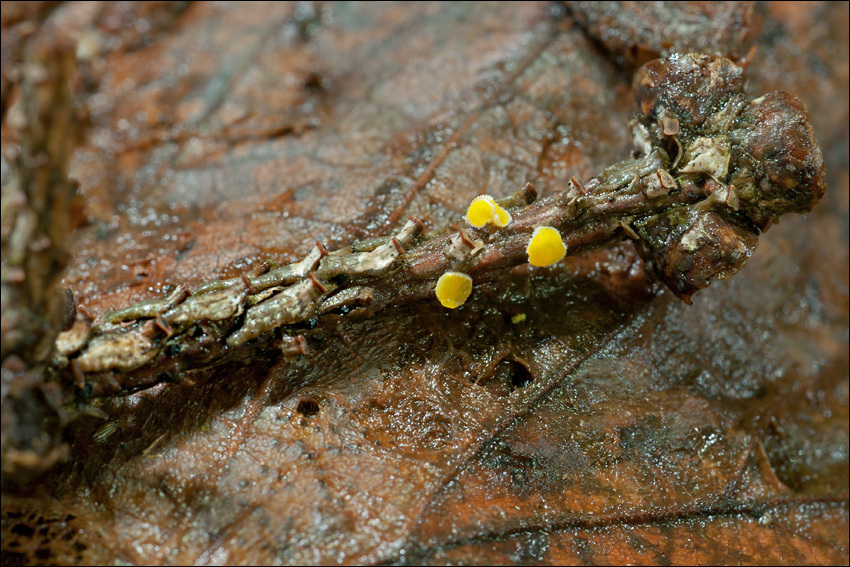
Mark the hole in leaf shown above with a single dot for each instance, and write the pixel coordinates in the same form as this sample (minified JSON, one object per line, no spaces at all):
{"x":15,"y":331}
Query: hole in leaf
{"x":23,"y":530}
{"x":508,"y":376}
{"x":308,"y":407}
{"x":520,"y":374}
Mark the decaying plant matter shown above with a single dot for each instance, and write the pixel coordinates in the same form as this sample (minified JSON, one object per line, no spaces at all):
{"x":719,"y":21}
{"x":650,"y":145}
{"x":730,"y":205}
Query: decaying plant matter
{"x":711,"y":171}
{"x":36,"y":216}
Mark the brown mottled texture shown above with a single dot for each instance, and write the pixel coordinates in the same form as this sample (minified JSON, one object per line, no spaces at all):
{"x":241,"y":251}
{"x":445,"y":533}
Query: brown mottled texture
{"x":701,"y":86}
{"x":780,"y":155}
{"x":614,"y":424}
{"x":35,"y":225}
{"x":687,"y":251}
{"x":757,"y":159}
{"x":635,"y":32}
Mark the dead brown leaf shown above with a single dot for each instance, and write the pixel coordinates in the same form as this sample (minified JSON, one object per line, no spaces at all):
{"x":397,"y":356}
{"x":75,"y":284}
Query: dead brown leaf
{"x":615,"y":424}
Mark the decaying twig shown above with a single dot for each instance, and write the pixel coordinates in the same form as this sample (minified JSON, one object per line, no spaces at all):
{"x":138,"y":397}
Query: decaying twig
{"x":712,"y":171}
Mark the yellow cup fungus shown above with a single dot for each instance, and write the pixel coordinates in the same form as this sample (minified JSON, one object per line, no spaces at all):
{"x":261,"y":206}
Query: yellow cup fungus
{"x":501,"y":217}
{"x":480,"y":210}
{"x":546,"y":247}
{"x":453,"y":288}
{"x":484,"y":209}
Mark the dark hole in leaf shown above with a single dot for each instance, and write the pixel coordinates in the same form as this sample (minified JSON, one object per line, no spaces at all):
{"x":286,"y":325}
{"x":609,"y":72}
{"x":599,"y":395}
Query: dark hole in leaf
{"x":520,"y":375}
{"x":508,"y":376}
{"x":314,"y":82}
{"x":308,"y":407}
{"x":42,"y":553}
{"x":23,"y":530}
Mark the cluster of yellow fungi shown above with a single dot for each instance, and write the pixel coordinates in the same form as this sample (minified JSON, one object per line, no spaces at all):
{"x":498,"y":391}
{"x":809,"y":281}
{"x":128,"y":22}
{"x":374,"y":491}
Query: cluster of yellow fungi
{"x":545,"y":248}
{"x":484,"y":209}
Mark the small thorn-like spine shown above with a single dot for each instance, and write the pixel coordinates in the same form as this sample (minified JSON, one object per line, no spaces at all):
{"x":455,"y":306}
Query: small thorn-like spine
{"x":319,"y":285}
{"x":163,"y":326}
{"x":466,"y":239}
{"x":576,"y":183}
{"x":78,"y":375}
{"x":399,"y":248}
{"x":295,"y":346}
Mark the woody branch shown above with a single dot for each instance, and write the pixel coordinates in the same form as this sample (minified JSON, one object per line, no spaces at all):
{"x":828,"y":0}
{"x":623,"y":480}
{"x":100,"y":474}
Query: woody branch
{"x":711,"y":171}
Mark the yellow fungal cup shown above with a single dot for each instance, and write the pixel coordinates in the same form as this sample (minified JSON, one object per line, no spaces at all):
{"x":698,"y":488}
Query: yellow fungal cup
{"x":484,"y":209}
{"x":481,"y":210}
{"x":546,"y":247}
{"x":501,"y":217}
{"x":453,"y":288}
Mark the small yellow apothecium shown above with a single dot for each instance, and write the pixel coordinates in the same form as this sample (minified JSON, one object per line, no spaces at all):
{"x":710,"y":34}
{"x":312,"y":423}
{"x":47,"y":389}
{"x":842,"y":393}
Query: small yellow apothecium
{"x":484,"y":209}
{"x":546,"y":246}
{"x":453,"y":288}
{"x":501,"y":217}
{"x":481,"y":210}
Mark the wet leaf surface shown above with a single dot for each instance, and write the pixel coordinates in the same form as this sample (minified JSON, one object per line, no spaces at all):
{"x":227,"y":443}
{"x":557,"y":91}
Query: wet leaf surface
{"x":615,"y":424}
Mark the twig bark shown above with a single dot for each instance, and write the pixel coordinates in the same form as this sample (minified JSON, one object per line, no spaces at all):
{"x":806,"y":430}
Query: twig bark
{"x":710,"y":173}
